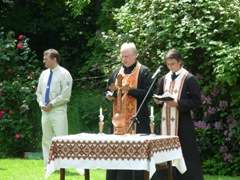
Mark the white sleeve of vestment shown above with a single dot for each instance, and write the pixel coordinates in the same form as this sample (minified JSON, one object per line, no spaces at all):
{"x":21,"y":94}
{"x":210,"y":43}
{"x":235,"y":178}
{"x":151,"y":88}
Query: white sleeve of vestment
{"x":39,"y":91}
{"x":66,"y":90}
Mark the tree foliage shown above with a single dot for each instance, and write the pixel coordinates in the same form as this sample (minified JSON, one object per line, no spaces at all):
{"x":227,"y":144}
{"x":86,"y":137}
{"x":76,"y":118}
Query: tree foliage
{"x":77,"y":6}
{"x":51,"y":24}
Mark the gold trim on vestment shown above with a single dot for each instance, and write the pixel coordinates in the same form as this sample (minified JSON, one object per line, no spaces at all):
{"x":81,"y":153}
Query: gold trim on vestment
{"x":129,"y":103}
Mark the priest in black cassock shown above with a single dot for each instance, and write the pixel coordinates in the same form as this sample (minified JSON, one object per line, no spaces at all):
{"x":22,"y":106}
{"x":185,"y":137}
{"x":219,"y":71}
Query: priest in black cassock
{"x":136,"y":81}
{"x":176,"y":114}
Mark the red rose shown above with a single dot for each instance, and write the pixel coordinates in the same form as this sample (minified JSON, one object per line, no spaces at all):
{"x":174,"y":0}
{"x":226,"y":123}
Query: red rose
{"x":17,"y":136}
{"x":19,"y":45}
{"x":20,"y":37}
{"x":1,"y":114}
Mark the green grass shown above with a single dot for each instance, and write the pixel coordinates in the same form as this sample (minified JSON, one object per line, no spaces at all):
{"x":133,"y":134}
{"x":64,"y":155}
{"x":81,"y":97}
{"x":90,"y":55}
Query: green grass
{"x":22,"y":169}
{"x":221,"y":178}
{"x":18,"y":169}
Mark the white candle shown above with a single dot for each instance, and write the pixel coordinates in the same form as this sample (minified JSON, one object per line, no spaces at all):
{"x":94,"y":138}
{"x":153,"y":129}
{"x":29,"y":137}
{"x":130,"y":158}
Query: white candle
{"x":152,"y":111}
{"x":101,"y":117}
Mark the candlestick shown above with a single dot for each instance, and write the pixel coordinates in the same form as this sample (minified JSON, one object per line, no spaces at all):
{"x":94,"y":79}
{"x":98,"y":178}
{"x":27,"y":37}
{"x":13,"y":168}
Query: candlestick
{"x":100,"y":123}
{"x":152,"y":124}
{"x":100,"y":126}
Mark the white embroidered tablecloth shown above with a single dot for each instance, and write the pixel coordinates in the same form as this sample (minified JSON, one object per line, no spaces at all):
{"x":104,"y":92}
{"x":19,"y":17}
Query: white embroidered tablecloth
{"x":104,"y":151}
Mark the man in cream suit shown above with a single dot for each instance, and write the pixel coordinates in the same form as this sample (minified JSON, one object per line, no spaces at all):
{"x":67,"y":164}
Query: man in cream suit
{"x":53,"y":94}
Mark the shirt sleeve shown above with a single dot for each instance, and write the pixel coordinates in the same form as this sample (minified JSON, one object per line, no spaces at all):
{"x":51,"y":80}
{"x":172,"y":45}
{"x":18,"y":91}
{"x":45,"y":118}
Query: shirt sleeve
{"x":39,"y":91}
{"x":66,"y":90}
{"x":159,"y":89}
{"x":159,"y":86}
{"x":111,"y":81}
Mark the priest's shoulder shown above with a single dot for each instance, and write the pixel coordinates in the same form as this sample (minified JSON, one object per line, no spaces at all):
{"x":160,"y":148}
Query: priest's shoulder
{"x":144,"y":68}
{"x":114,"y":73}
{"x":191,"y":78}
{"x":116,"y":70}
{"x":161,"y":78}
{"x":63,"y":70}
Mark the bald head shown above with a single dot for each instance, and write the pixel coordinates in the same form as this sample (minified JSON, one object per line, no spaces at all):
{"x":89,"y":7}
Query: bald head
{"x":128,"y":53}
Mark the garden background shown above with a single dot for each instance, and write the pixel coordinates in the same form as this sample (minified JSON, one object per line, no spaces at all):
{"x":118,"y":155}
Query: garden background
{"x":88,"y":35}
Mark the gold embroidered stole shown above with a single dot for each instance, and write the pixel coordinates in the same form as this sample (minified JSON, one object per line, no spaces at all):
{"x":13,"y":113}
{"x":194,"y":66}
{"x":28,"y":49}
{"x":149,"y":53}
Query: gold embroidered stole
{"x":170,"y":115}
{"x":129,"y":103}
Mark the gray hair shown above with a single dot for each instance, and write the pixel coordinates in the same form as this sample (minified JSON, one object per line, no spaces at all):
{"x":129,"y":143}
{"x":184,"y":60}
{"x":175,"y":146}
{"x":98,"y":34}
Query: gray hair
{"x":129,"y":45}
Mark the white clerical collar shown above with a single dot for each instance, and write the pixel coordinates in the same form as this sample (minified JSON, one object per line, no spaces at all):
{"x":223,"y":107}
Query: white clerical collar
{"x":178,"y":72}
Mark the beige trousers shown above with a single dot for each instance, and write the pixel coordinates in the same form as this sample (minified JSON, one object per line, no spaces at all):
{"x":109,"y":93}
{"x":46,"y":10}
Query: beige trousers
{"x":54,"y":123}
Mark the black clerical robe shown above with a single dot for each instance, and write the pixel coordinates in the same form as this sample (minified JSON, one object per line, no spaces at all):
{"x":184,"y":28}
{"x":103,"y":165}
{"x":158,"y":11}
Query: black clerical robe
{"x":190,"y":99}
{"x":144,"y":82}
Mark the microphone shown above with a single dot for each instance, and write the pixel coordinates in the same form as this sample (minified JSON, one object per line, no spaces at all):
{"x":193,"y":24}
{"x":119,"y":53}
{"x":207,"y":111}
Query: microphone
{"x":157,"y":72}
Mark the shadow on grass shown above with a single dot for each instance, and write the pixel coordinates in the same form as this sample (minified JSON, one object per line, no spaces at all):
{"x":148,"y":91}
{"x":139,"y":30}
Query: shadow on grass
{"x":68,"y":173}
{"x":72,"y":174}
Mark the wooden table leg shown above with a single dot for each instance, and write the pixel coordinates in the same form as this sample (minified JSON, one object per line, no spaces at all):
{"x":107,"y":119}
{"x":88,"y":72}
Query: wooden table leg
{"x":62,"y":174}
{"x":133,"y":175}
{"x":87,"y":174}
{"x":170,"y":171}
{"x":146,"y":175}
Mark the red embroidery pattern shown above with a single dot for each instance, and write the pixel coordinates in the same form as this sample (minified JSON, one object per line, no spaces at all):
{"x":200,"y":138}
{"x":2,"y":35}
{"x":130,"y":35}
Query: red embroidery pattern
{"x":117,"y":150}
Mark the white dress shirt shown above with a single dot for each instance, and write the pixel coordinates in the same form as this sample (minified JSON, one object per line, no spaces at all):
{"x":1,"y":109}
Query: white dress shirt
{"x":60,"y":87}
{"x":179,"y":71}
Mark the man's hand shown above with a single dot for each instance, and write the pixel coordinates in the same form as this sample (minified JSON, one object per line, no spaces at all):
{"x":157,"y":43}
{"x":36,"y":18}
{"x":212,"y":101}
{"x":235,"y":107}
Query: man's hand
{"x":47,"y":108}
{"x":109,"y":96}
{"x":125,"y":89}
{"x":157,"y":101}
{"x":172,"y":103}
{"x":112,"y":87}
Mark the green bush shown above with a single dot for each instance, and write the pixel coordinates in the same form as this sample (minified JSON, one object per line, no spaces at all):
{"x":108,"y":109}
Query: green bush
{"x":218,"y":133}
{"x":83,"y":111}
{"x":19,"y":70}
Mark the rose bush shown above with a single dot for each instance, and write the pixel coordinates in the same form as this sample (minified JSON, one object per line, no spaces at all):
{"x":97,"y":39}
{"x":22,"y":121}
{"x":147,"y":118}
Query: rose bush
{"x":19,"y":70}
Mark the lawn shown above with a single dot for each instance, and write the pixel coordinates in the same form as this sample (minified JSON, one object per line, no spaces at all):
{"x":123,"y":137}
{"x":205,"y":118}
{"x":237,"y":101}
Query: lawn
{"x":22,"y":169}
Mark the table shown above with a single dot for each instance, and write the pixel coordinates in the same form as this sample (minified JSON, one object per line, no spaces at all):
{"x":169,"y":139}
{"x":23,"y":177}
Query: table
{"x":105,"y":151}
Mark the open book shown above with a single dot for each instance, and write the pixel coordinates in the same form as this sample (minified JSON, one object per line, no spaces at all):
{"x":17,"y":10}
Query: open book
{"x":164,"y":97}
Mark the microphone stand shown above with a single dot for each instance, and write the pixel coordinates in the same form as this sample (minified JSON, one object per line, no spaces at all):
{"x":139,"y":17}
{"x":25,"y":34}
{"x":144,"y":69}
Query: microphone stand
{"x":134,"y":119}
